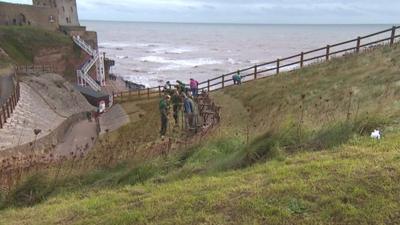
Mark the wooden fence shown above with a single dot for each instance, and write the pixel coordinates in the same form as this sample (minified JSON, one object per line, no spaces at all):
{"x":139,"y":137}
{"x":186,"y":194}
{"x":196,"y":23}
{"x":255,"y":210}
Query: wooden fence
{"x":293,"y":62}
{"x":8,"y":107}
{"x":35,"y":68}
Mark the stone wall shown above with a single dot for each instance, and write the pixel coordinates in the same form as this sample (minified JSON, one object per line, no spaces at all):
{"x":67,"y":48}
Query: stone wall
{"x":66,"y":9}
{"x":17,"y":14}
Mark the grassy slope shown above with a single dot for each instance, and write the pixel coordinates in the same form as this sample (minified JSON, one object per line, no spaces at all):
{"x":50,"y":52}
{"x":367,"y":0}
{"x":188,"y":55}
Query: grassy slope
{"x":21,"y":43}
{"x":350,"y":180}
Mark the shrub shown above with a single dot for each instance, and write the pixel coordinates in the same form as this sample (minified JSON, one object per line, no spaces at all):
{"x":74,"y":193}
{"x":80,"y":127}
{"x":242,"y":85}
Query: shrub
{"x":33,"y":190}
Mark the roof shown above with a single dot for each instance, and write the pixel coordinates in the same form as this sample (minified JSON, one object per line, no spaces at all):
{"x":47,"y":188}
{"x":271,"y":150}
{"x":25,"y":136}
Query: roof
{"x":90,"y":92}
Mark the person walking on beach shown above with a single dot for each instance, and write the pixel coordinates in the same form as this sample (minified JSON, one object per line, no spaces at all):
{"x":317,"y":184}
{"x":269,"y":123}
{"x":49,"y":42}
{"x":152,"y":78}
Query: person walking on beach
{"x":237,"y":78}
{"x":176,"y":106}
{"x":194,"y":87}
{"x":164,"y":110}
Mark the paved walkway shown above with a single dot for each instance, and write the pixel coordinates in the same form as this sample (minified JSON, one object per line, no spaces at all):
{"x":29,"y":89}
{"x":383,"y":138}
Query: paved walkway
{"x":79,"y":139}
{"x":113,"y":119}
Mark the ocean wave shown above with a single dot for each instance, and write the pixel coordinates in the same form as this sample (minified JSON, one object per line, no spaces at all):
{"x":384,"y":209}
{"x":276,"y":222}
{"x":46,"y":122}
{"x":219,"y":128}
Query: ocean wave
{"x":114,"y":45}
{"x":232,"y":61}
{"x":176,"y":64}
{"x":170,"y":50}
{"x":121,"y":57}
{"x":148,"y":80}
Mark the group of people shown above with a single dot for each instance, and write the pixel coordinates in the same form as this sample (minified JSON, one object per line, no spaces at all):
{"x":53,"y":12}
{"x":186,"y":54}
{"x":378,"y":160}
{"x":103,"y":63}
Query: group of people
{"x":182,"y":99}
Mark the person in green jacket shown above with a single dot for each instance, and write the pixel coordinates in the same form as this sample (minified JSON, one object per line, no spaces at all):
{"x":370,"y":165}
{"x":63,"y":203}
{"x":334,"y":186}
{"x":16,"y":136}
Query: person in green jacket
{"x":176,"y":106}
{"x":181,"y":87}
{"x":237,"y":78}
{"x":164,"y":110}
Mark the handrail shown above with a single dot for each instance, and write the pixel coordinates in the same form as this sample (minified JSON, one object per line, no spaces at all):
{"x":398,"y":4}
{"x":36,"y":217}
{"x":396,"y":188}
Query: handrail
{"x":260,"y":70}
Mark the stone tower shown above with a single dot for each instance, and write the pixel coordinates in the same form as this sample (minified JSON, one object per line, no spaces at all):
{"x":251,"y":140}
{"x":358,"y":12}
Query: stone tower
{"x":66,"y":9}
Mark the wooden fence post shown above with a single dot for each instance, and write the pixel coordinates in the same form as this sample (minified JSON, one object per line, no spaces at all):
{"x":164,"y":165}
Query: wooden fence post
{"x":4,"y":113}
{"x":148,"y":93}
{"x":301,"y":59}
{"x":277,"y":66}
{"x":14,"y":101}
{"x":358,"y":44}
{"x":393,"y":35}
{"x":223,"y":81}
{"x":255,"y":72}
{"x":139,"y":92}
{"x":159,"y":91}
{"x":328,"y":48}
{"x":208,"y":85}
{"x":8,"y":108}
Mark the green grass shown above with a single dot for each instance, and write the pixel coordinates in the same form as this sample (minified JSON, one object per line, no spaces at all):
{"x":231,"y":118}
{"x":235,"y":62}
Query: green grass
{"x":21,"y":43}
{"x":293,"y":149}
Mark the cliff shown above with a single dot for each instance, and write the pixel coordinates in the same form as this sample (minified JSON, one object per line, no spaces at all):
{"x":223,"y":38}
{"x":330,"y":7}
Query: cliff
{"x":27,"y":46}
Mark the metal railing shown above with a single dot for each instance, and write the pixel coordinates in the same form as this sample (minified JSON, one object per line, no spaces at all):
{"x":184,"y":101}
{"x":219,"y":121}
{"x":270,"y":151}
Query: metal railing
{"x":96,"y":59}
{"x":275,"y":67}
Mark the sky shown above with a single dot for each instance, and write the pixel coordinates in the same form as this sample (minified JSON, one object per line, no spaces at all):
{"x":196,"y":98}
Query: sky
{"x":242,"y":11}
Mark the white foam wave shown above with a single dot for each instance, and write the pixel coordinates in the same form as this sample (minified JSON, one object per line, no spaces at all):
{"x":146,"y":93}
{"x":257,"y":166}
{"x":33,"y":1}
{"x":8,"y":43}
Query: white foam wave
{"x":170,"y":50}
{"x":148,"y":80}
{"x":176,"y":64}
{"x":114,"y":45}
{"x":121,"y":57}
{"x":231,"y":61}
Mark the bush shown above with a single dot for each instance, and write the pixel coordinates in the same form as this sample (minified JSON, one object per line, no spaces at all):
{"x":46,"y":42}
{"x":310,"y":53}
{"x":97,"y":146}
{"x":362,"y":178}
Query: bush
{"x":30,"y":192}
{"x":368,"y":123}
{"x":332,"y":136}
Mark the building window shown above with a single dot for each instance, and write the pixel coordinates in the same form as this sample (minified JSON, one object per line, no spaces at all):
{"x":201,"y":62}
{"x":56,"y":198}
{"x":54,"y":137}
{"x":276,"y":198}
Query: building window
{"x":63,"y":9}
{"x":51,"y":19}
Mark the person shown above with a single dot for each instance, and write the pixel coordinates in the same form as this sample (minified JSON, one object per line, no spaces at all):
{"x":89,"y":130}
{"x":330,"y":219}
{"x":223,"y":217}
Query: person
{"x":194,"y":87}
{"x":164,"y":109}
{"x":168,"y":89}
{"x":181,"y":87}
{"x":237,"y":79}
{"x":176,"y":106}
{"x":188,"y":109}
{"x":167,"y":85}
{"x":195,"y":117}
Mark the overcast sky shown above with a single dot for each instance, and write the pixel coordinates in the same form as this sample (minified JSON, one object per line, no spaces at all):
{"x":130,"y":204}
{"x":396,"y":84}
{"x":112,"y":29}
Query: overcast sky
{"x":242,"y":11}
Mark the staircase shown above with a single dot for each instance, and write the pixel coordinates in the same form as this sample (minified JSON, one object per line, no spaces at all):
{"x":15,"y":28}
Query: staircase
{"x":31,"y":113}
{"x":83,"y":78}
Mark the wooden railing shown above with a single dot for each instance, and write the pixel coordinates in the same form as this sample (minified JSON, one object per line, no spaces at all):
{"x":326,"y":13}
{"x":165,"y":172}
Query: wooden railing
{"x":8,"y":107}
{"x":35,"y":68}
{"x":293,"y":62}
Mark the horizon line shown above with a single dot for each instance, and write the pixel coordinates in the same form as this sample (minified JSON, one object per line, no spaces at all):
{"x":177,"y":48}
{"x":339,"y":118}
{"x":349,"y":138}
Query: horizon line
{"x":233,"y":23}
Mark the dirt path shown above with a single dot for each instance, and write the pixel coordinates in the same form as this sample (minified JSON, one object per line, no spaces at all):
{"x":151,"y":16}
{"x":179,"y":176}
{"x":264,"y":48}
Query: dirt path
{"x":79,"y":138}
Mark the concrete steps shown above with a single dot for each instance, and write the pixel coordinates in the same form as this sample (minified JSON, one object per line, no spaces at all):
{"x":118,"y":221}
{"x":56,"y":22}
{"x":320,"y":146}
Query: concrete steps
{"x":31,"y":113}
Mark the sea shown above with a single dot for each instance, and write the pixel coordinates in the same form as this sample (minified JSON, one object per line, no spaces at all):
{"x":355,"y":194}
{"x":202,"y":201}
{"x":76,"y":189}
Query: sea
{"x":153,"y":53}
